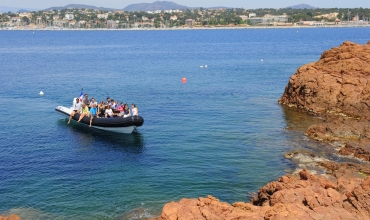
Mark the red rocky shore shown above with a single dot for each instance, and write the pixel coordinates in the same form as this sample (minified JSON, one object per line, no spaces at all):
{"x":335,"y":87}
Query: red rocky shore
{"x":344,"y":195}
{"x":336,"y":87}
{"x":10,"y":217}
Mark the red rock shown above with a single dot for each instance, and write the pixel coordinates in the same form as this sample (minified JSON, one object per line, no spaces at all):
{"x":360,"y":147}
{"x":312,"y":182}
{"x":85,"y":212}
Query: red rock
{"x":10,"y":217}
{"x":288,"y":198}
{"x":336,"y":83}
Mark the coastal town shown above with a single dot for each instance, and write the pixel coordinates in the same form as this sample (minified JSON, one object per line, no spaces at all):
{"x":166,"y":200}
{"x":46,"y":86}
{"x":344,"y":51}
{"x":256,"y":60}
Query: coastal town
{"x":84,"y":18}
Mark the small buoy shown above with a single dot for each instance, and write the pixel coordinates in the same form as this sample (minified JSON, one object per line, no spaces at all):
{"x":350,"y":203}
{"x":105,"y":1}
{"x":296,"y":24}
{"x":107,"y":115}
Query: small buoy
{"x":183,"y":80}
{"x":41,"y":93}
{"x":261,"y":60}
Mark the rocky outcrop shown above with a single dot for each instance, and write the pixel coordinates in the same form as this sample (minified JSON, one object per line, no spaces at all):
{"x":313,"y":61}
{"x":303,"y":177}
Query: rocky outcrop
{"x":354,"y":134}
{"x":306,"y":196}
{"x":338,"y":83}
{"x":10,"y":217}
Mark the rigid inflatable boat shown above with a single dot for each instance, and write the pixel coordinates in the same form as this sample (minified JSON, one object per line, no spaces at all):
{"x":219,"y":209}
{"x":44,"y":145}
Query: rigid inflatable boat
{"x":115,"y":124}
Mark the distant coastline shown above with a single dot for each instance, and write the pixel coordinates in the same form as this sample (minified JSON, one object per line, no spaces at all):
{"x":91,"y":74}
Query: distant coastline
{"x":186,"y":28}
{"x":182,"y":29}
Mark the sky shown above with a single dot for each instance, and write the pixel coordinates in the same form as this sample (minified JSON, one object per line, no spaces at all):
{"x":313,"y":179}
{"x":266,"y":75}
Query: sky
{"x":247,"y":4}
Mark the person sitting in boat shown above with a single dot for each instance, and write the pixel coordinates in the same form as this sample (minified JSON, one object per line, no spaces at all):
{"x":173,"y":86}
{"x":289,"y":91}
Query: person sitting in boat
{"x":92,"y":103}
{"x":126,"y":111}
{"x":108,"y":101}
{"x":101,"y":109}
{"x":108,"y":112}
{"x":113,"y":104}
{"x":120,"y":108}
{"x":135,"y":111}
{"x":75,"y":109}
{"x":93,"y":113}
{"x":84,"y":112}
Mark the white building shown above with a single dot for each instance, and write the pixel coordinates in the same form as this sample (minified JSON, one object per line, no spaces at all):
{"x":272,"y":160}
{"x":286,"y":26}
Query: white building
{"x":251,"y":15}
{"x":69,"y":16}
{"x":172,"y":11}
{"x":269,"y":19}
{"x":154,"y":12}
{"x":105,"y":16}
{"x":25,"y":14}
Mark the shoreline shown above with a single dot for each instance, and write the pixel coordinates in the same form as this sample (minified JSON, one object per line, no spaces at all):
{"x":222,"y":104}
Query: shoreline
{"x":181,"y":29}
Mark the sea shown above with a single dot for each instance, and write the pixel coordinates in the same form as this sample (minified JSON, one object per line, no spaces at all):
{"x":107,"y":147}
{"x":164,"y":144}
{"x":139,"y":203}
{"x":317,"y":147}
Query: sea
{"x":220,"y":133}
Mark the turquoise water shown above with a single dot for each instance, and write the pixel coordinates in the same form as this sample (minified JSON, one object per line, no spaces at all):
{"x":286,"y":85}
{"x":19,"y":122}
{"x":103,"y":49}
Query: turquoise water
{"x":220,"y":133}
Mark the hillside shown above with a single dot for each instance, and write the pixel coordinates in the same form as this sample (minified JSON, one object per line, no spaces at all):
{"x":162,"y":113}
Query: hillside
{"x":6,"y":9}
{"x":301,"y":6}
{"x":158,"y":5}
{"x":77,"y":6}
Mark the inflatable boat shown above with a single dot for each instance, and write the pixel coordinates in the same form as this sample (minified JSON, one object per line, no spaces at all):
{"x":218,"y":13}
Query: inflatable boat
{"x":115,"y":124}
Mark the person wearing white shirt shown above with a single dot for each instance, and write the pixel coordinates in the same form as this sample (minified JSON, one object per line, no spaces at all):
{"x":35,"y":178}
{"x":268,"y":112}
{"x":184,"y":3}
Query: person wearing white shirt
{"x":75,"y":109}
{"x":108,"y":112}
{"x":135,"y":111}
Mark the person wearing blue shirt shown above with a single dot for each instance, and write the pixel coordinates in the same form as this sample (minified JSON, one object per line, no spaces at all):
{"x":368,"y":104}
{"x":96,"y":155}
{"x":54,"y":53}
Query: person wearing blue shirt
{"x":93,"y":113}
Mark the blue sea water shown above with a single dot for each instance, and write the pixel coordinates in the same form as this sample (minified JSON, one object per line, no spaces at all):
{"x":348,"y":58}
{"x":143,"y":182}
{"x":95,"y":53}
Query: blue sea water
{"x":221,"y":133}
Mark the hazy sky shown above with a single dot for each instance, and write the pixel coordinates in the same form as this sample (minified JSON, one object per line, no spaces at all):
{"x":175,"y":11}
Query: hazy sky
{"x":247,"y":4}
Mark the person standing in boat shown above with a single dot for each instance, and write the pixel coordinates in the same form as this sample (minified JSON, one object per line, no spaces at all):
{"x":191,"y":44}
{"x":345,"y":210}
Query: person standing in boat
{"x":86,"y":100}
{"x":76,"y":109}
{"x":135,"y":111}
{"x":84,"y":112}
{"x":93,"y":113}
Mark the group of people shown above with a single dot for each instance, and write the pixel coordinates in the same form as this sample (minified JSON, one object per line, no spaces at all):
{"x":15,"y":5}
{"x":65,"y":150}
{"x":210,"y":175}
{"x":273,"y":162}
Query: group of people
{"x":108,"y":109}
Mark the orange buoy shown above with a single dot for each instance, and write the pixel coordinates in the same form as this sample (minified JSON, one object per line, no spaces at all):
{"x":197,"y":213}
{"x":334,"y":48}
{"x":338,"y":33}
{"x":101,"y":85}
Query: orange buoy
{"x":184,"y":80}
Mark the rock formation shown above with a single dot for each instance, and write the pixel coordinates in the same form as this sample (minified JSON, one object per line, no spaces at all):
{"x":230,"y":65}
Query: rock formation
{"x":343,"y":196}
{"x":338,"y":83}
{"x":338,"y":88}
{"x":10,"y":217}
